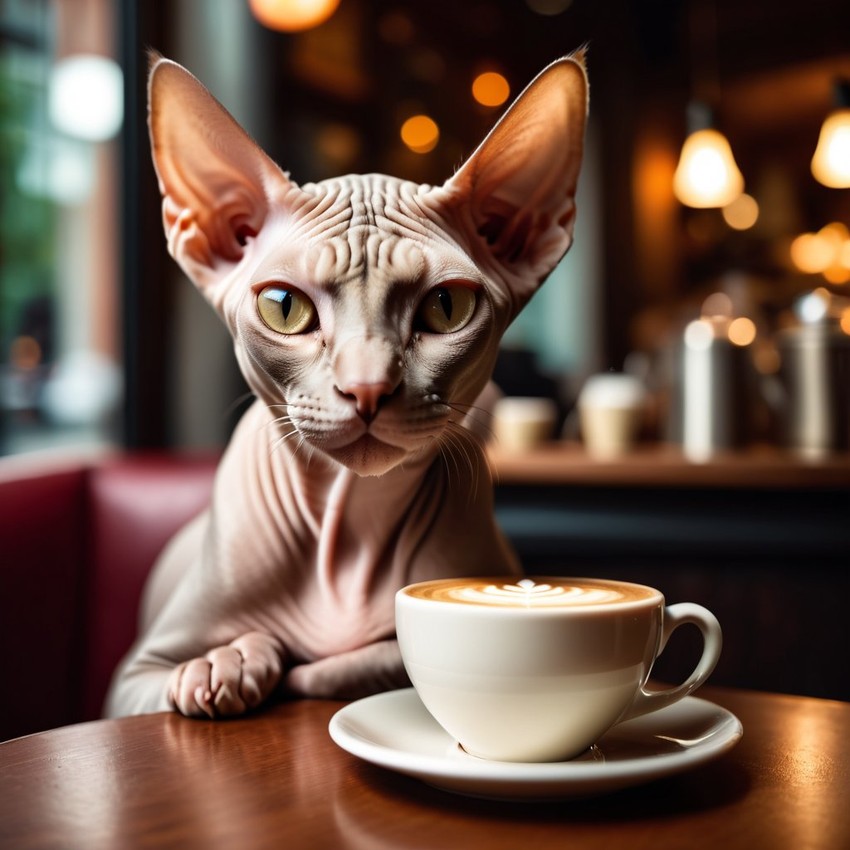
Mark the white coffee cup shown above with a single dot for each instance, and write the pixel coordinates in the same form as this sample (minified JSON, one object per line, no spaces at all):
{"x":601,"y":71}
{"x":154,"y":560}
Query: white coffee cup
{"x":611,"y":408}
{"x":539,"y":669}
{"x":522,"y":422}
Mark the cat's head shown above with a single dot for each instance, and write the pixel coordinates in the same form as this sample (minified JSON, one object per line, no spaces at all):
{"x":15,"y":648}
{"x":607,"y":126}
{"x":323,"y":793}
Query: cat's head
{"x":366,"y":311}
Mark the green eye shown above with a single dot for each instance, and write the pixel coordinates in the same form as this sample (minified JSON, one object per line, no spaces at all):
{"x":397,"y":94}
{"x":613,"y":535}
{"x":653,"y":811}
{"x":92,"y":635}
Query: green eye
{"x":447,"y":309}
{"x":286,"y":310}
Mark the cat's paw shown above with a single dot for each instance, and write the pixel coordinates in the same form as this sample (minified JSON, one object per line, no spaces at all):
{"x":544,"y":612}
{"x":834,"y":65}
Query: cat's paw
{"x":228,"y":680}
{"x":369,"y":670}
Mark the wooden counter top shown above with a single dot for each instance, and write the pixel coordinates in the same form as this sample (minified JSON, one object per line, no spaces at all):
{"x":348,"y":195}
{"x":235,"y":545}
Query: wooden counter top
{"x":663,"y":465}
{"x":276,"y":779}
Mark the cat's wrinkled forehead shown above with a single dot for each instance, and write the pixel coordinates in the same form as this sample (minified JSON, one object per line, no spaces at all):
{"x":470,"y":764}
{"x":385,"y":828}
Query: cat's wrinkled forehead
{"x":366,"y":223}
{"x":363,"y":199}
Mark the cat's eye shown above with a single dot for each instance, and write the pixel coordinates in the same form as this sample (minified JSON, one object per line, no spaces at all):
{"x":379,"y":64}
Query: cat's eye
{"x":286,"y":310}
{"x":447,"y":309}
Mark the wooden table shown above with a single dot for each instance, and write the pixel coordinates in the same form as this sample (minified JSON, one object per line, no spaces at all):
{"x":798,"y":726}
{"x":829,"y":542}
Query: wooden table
{"x":277,"y":780}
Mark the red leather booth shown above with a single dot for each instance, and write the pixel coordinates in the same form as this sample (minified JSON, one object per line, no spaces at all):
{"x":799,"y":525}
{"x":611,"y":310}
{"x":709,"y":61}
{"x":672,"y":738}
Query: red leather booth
{"x":76,"y":543}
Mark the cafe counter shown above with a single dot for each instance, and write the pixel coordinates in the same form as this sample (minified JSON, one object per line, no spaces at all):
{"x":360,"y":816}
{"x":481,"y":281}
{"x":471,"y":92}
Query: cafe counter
{"x":761,"y":537}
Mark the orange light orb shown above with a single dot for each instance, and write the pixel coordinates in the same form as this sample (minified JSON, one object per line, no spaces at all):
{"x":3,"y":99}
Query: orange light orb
{"x":420,"y":133}
{"x":292,"y":15}
{"x":490,"y":89}
{"x":742,"y":331}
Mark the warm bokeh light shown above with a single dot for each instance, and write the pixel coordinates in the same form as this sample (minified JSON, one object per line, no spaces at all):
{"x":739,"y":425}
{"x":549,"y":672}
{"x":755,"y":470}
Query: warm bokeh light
{"x":836,"y":233}
{"x":718,"y":304}
{"x":831,"y":162}
{"x":810,"y":253}
{"x":707,"y":175}
{"x":420,"y":133}
{"x":742,"y":331}
{"x":742,"y":213}
{"x":845,"y":320}
{"x":826,"y":252}
{"x":490,"y":89}
{"x":838,"y":271}
{"x":837,"y":274}
{"x":292,"y":15}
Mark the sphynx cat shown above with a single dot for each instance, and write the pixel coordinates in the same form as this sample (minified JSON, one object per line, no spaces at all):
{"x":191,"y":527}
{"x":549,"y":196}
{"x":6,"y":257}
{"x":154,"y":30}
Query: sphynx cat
{"x":366,"y":313}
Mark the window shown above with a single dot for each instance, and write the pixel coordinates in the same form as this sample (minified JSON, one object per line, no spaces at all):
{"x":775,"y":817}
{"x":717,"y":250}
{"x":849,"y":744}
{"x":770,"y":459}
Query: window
{"x":60,"y":110}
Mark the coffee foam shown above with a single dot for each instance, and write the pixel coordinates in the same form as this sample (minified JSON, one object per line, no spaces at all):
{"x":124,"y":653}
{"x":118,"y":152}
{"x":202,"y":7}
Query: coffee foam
{"x":530,"y":593}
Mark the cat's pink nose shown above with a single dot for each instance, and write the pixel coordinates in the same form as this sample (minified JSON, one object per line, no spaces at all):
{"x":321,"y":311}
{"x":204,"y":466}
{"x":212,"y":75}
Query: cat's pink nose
{"x":368,"y":397}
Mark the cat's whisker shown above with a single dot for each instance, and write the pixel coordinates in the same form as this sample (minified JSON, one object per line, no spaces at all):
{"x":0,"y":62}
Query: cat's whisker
{"x":282,"y":439}
{"x":236,"y":402}
{"x":479,"y":416}
{"x":280,"y":420}
{"x":445,"y":454}
{"x":466,"y":408}
{"x":468,"y":444}
{"x":309,"y":450}
{"x":454,"y":450}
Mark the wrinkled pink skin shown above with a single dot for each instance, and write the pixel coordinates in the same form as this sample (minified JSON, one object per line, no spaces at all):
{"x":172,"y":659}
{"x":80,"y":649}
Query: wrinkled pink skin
{"x":355,"y":471}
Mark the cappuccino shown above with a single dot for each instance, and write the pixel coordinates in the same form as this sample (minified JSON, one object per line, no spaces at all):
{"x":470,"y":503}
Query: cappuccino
{"x":537,"y":669}
{"x":532,"y":592}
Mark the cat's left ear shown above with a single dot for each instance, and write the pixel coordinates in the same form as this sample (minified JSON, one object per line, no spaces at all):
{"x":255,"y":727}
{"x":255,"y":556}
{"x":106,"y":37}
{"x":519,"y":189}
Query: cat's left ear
{"x":216,"y":182}
{"x":519,"y":186}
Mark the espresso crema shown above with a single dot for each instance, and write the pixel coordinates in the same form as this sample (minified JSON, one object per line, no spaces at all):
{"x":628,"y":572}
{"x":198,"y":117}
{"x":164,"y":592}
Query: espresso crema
{"x":531,"y":593}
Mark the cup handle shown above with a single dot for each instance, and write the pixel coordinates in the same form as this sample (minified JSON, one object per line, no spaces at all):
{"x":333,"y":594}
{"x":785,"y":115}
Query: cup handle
{"x":675,"y":616}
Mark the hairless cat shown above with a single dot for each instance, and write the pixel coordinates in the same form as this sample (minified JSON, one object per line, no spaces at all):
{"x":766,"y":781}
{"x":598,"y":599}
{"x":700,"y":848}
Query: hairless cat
{"x":366,"y":313}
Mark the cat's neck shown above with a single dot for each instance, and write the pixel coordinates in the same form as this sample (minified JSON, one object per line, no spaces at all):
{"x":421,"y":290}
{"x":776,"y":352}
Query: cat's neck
{"x":356,"y":520}
{"x":323,"y":486}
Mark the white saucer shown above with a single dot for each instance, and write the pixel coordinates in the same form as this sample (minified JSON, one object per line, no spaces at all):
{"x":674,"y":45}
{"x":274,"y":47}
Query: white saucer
{"x":394,"y":730}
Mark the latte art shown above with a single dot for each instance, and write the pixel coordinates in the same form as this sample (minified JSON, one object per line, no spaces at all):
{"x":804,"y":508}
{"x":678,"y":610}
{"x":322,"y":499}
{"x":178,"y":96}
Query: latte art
{"x":527,"y":592}
{"x":531,"y":593}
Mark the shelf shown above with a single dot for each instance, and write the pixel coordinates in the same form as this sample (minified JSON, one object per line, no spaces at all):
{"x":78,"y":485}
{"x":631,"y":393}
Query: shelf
{"x":567,"y":463}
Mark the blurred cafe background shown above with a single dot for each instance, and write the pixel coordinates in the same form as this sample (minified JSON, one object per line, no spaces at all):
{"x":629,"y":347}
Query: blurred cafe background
{"x":688,"y":361}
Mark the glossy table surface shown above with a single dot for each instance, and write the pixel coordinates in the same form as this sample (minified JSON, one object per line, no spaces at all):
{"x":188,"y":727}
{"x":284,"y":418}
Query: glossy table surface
{"x":276,"y":779}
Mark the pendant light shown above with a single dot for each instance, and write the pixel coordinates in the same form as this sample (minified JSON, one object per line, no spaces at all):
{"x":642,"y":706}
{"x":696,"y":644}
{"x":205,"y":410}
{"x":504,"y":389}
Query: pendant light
{"x":831,"y":162}
{"x":707,"y":175}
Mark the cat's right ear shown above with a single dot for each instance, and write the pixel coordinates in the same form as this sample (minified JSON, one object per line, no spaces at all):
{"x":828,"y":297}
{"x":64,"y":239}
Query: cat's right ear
{"x":517,"y":190}
{"x":216,"y":182}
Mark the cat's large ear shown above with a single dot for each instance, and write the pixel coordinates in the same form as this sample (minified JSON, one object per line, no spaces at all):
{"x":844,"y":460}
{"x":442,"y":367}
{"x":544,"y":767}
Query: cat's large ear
{"x":519,"y":186}
{"x":216,"y":183}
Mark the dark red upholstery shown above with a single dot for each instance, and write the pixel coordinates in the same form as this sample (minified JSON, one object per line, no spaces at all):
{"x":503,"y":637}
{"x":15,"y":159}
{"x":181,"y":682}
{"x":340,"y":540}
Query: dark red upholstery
{"x":75,"y":548}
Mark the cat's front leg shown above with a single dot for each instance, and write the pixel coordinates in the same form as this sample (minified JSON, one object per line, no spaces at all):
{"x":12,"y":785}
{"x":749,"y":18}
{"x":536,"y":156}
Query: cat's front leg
{"x":350,"y":675}
{"x":228,"y":680}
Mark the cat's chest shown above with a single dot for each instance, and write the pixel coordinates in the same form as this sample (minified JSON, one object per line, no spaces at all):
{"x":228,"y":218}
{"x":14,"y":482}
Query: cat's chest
{"x":329,"y":621}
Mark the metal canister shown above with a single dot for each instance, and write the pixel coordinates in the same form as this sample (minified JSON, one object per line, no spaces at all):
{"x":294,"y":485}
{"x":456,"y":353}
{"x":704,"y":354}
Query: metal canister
{"x":815,"y":376}
{"x":715,"y":389}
